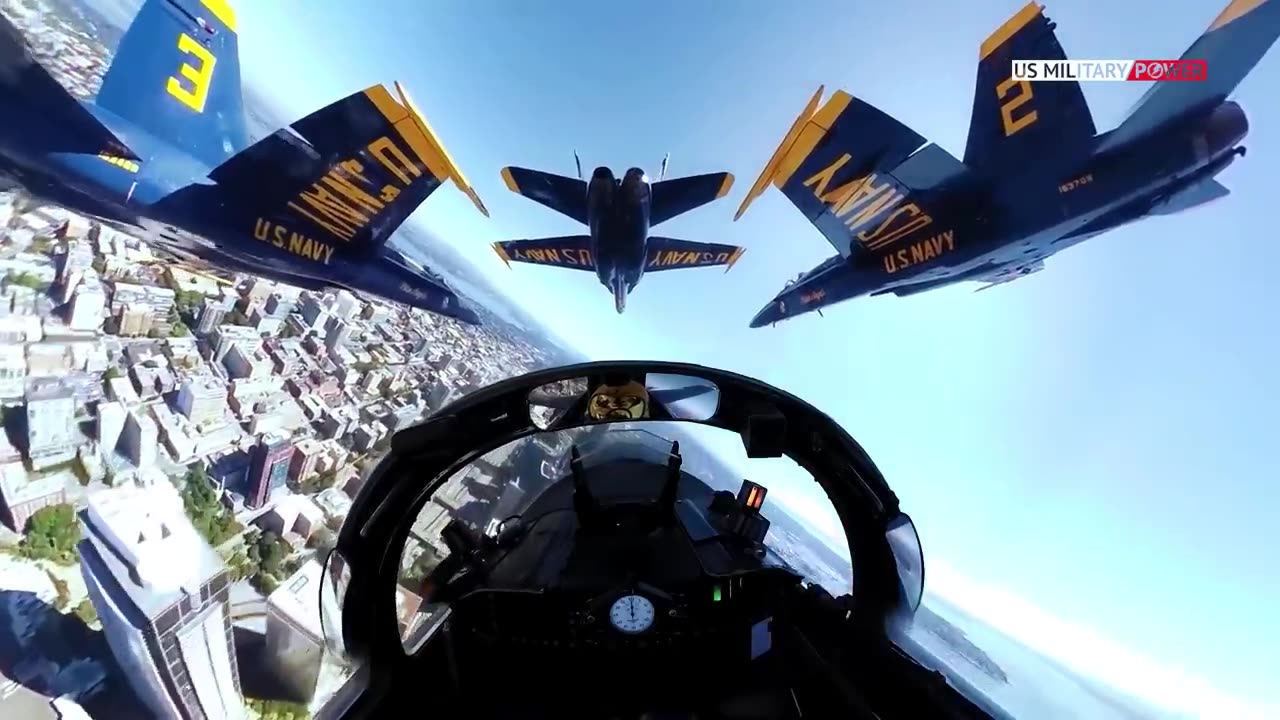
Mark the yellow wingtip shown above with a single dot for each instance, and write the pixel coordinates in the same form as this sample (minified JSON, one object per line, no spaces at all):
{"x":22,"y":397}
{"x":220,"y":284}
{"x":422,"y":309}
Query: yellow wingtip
{"x":771,"y":167}
{"x":510,"y":180}
{"x":502,"y":254}
{"x":451,"y":168}
{"x":733,"y":259}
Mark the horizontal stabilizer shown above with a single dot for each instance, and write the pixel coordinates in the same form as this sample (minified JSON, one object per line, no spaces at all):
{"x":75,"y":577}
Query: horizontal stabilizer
{"x":569,"y":251}
{"x":565,"y":195}
{"x":346,"y":175}
{"x":680,"y":195}
{"x":839,"y":166}
{"x":1234,"y":43}
{"x":1199,"y":194}
{"x":27,"y":84}
{"x":670,"y":254}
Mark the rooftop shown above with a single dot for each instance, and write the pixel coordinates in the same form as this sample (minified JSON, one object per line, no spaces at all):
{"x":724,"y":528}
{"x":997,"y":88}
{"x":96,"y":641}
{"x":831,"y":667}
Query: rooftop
{"x":295,"y":601}
{"x":143,"y":538}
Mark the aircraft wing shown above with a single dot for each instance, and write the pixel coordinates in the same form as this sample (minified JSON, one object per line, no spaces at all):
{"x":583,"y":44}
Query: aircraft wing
{"x":861,"y":177}
{"x":565,"y":195}
{"x":343,"y":178}
{"x":26,"y":83}
{"x":569,"y":251}
{"x":671,"y":254}
{"x":1234,"y":43}
{"x":680,"y":195}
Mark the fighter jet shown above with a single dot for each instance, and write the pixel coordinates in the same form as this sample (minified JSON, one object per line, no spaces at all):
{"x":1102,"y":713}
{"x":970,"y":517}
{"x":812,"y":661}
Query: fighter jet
{"x":1036,"y":178}
{"x":164,"y":148}
{"x":619,"y":213}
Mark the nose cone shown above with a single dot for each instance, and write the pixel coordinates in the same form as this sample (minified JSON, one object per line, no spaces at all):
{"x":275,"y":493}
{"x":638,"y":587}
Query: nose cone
{"x":770,"y":314}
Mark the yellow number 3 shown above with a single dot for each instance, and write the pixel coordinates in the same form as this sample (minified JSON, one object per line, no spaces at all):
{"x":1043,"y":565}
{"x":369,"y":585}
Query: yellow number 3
{"x":1012,"y":124}
{"x":199,"y":76}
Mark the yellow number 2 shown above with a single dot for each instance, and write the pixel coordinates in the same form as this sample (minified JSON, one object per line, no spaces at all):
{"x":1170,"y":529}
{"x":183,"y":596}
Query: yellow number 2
{"x":1012,"y":124}
{"x":199,"y":75}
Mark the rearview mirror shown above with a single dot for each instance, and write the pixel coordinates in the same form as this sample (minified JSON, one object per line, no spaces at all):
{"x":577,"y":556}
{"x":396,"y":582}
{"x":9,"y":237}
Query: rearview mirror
{"x":684,"y":397}
{"x":908,"y":556}
{"x":548,"y":403}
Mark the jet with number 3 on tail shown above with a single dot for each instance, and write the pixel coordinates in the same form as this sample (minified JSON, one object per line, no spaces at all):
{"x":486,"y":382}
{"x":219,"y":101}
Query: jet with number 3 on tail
{"x":907,"y":217}
{"x":619,"y":214}
{"x":164,"y":148}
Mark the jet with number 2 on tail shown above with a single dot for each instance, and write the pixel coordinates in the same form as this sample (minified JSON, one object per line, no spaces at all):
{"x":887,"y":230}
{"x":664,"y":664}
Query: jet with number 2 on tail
{"x":619,"y":213}
{"x":164,"y":148}
{"x":1036,"y":177}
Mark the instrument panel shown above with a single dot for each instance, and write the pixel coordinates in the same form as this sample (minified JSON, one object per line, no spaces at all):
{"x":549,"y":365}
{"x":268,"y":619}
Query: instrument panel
{"x":714,"y":617}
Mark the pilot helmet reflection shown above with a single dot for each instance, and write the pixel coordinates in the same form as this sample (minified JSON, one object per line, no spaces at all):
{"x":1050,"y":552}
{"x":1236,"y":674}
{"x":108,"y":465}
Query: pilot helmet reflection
{"x":626,"y":401}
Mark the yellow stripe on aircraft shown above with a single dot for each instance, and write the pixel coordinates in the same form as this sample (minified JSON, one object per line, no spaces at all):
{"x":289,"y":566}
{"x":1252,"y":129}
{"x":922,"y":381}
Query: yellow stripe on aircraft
{"x":810,"y":135}
{"x":1235,"y":10}
{"x":725,"y":185}
{"x":734,"y":258}
{"x":222,"y":10}
{"x":454,"y":172}
{"x":1009,"y":29}
{"x":502,"y":253}
{"x":415,"y":131}
{"x":510,"y":180}
{"x":788,"y":140}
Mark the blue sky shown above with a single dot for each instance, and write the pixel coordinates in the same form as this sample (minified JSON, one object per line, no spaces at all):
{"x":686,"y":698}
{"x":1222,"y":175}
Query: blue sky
{"x":1090,"y":448}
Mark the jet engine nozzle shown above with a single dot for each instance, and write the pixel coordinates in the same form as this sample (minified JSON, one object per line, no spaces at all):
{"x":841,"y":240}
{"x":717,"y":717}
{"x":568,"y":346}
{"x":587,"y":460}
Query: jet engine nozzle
{"x":1226,"y":127}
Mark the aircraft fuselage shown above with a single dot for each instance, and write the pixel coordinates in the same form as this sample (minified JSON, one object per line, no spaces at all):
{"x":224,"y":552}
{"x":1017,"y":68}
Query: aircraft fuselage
{"x":169,"y":198}
{"x":1030,"y":213}
{"x":618,"y":219}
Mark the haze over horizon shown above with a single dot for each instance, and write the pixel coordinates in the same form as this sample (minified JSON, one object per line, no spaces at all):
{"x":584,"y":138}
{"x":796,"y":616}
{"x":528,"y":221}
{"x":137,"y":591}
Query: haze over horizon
{"x":1069,"y":445}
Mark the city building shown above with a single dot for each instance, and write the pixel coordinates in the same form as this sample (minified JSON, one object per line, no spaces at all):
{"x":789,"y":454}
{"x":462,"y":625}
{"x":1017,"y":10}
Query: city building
{"x":295,"y":638}
{"x":162,"y":596}
{"x":305,"y":455}
{"x":111,"y":420}
{"x":134,"y":320}
{"x":139,"y":438}
{"x":202,"y":399}
{"x":21,"y":494}
{"x":87,"y":305}
{"x":211,"y":314}
{"x":13,"y":371}
{"x":268,"y":469}
{"x":52,"y":432}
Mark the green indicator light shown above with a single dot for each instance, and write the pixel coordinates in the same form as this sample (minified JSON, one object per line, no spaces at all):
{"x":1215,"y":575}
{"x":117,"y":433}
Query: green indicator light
{"x":715,"y":594}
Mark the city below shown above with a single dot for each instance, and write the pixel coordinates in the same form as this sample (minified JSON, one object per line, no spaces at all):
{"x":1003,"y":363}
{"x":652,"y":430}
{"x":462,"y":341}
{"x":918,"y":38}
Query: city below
{"x":180,"y":449}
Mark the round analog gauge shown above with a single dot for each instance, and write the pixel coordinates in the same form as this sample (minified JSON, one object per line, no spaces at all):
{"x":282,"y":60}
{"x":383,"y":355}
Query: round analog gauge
{"x":631,"y":614}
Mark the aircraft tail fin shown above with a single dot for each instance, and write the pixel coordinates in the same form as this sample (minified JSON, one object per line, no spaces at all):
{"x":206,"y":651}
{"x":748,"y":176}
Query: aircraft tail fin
{"x":1234,"y":43}
{"x":25,"y":83}
{"x":1016,"y":119}
{"x":861,"y":177}
{"x":176,"y":74}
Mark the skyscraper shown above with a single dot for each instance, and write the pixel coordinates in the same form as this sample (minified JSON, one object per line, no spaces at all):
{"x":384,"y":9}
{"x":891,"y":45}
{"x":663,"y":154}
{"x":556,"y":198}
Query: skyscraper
{"x":162,"y":595}
{"x":268,"y":468}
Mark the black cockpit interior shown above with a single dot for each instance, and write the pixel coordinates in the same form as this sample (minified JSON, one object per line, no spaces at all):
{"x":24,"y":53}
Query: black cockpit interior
{"x":629,"y":587}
